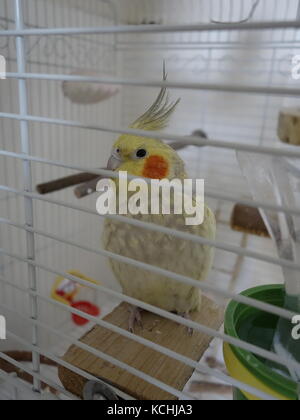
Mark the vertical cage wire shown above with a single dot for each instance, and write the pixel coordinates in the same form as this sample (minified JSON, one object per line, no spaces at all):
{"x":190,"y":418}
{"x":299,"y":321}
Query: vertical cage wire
{"x":28,"y":187}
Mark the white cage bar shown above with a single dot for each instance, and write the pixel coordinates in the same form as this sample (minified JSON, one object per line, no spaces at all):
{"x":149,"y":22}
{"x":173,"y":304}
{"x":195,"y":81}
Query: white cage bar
{"x":24,"y":132}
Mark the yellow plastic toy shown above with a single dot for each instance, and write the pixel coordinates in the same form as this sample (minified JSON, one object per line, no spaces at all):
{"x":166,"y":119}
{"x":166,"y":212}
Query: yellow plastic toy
{"x":66,"y":291}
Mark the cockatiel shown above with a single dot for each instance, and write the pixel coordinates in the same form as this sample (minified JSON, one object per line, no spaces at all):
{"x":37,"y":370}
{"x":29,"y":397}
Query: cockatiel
{"x":151,"y":158}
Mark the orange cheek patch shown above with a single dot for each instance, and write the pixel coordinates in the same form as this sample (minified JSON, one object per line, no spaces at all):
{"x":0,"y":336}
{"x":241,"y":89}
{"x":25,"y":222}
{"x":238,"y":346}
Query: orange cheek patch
{"x":156,"y":167}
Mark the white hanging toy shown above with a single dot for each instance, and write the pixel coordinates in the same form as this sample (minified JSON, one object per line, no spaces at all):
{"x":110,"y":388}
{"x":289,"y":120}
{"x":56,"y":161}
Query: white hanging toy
{"x":86,"y":93}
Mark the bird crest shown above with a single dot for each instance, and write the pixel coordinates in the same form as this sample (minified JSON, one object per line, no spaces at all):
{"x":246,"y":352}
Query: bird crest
{"x":157,"y":117}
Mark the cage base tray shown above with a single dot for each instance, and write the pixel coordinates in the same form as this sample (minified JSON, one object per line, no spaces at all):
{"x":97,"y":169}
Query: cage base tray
{"x":156,"y":329}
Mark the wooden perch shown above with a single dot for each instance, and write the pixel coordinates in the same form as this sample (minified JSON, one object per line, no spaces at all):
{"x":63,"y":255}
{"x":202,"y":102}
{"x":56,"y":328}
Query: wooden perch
{"x":248,"y":220}
{"x":88,"y":188}
{"x":62,"y":183}
{"x":160,"y":366}
{"x":179,"y":145}
{"x":289,"y":126}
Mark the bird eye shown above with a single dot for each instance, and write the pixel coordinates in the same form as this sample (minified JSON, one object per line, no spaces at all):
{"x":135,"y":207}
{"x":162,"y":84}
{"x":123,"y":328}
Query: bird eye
{"x":141,"y":153}
{"x":118,"y":150}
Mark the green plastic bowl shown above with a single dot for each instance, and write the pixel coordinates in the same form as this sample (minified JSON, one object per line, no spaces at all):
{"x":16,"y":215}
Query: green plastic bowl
{"x":258,"y":328}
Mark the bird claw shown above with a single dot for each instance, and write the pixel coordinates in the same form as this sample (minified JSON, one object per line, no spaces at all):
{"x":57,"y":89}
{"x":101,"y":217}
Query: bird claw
{"x":134,"y":318}
{"x":190,"y":330}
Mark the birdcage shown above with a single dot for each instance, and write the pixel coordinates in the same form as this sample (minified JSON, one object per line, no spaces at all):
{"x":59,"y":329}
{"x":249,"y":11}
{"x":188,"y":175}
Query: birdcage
{"x":231,"y":63}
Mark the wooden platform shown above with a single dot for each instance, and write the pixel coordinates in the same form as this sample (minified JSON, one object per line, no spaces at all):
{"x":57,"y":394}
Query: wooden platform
{"x":159,"y":330}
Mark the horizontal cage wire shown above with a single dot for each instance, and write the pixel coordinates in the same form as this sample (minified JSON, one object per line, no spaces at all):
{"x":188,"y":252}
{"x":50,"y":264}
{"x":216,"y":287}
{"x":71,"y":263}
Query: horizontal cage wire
{"x":230,"y":62}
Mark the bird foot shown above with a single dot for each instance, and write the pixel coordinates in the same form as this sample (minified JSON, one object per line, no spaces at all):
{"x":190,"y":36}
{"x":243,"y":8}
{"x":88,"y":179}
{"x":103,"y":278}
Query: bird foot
{"x":186,"y":315}
{"x":135,"y":317}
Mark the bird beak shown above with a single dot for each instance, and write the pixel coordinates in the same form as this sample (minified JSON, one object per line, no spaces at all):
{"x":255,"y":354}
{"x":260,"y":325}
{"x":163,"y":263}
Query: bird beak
{"x":113,"y":163}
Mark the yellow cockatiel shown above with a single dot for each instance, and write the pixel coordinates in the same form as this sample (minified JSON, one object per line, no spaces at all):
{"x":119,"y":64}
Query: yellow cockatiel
{"x":151,"y":158}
